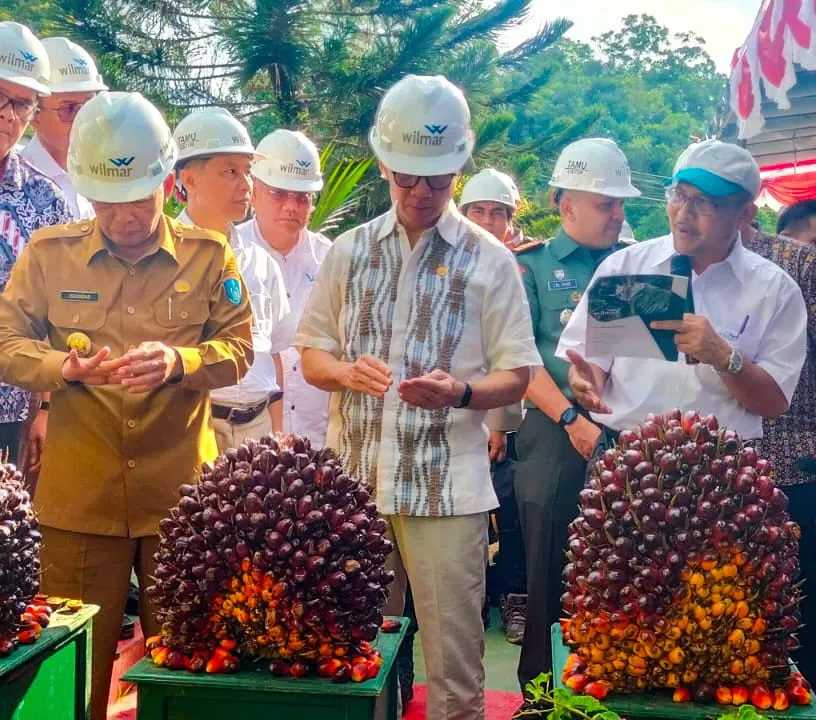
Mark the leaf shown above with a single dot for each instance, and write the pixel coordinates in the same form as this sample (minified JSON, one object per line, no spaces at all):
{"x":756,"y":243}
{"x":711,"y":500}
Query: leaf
{"x":607,"y":715}
{"x":560,"y":714}
{"x":562,"y":696}
{"x":586,"y":703}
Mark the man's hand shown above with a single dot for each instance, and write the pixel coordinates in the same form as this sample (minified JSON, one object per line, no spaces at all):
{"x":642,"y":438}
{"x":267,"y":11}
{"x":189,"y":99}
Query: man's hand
{"x":497,"y":446}
{"x":695,"y":337}
{"x":34,"y":443}
{"x":583,"y":435}
{"x":582,"y":382}
{"x":93,"y":370}
{"x":148,"y":367}
{"x":432,"y":391}
{"x":367,"y":375}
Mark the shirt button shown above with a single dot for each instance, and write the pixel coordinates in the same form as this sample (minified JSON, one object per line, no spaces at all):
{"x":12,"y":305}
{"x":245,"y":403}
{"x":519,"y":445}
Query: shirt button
{"x":131,"y":310}
{"x":84,"y":228}
{"x":183,"y":314}
{"x":132,"y":272}
{"x":131,"y":464}
{"x":293,"y":407}
{"x":76,"y":318}
{"x":131,"y":424}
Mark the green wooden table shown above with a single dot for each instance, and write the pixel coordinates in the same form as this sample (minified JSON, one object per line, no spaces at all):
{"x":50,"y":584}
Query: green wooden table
{"x":253,"y":692}
{"x":51,"y":679}
{"x":660,"y":705}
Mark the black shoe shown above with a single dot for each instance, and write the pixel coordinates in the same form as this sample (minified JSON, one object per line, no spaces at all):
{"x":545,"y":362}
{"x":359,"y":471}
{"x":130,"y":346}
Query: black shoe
{"x":132,"y":604}
{"x":128,"y":629}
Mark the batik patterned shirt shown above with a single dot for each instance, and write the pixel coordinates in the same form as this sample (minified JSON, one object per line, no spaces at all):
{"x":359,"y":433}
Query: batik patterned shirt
{"x":794,"y":434}
{"x":28,"y":201}
{"x":455,"y":302}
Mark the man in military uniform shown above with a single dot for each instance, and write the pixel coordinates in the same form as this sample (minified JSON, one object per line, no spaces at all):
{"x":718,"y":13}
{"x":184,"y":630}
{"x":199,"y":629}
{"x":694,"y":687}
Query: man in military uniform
{"x":128,"y":320}
{"x":591,"y":179}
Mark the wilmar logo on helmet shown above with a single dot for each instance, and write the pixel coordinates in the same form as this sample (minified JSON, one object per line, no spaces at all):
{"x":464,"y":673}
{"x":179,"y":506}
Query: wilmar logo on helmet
{"x":24,"y":62}
{"x":116,"y":167}
{"x":419,"y":138}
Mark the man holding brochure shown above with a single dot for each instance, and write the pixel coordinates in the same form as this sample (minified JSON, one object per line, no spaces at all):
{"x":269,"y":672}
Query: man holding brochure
{"x":747,"y":336}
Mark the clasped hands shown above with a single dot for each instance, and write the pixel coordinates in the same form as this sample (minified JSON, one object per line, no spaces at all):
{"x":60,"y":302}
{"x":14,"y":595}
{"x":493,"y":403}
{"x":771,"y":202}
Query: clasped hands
{"x":145,"y":368}
{"x":432,"y":391}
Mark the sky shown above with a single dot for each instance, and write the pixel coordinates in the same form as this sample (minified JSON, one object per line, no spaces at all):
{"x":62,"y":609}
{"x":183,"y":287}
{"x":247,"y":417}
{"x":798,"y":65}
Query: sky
{"x":724,"y":24}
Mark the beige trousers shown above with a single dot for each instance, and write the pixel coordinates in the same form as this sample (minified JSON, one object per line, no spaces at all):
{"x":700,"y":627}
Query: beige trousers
{"x":444,"y":559}
{"x":229,"y":435}
{"x":96,"y":569}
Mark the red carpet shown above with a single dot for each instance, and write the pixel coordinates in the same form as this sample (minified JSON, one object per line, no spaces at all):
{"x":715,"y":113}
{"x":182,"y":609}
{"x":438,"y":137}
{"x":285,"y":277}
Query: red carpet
{"x":500,"y":705}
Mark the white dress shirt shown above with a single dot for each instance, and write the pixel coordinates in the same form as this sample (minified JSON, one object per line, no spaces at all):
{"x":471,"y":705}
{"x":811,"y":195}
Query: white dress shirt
{"x":36,"y":154}
{"x":267,"y":294}
{"x":305,"y":407}
{"x":743,"y":292}
{"x":455,"y":302}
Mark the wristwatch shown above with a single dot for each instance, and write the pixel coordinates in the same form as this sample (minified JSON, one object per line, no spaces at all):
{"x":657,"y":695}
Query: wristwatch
{"x":465,"y":401}
{"x":569,"y":416}
{"x":735,"y":363}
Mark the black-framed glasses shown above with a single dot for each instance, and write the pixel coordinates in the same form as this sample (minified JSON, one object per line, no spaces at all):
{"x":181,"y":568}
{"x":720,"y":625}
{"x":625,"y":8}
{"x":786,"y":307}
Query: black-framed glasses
{"x":66,"y":111}
{"x":23,"y":110}
{"x":435,"y":182}
{"x":698,"y":204}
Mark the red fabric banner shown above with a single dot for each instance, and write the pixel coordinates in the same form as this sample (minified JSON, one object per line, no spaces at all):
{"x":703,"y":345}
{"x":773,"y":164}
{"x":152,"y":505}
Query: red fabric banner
{"x":790,"y":189}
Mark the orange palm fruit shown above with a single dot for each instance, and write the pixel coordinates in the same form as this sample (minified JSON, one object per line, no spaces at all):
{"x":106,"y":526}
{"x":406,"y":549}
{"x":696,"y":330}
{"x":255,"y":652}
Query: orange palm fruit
{"x":739,"y":695}
{"x":723,"y":695}
{"x":577,"y":683}
{"x":780,"y":700}
{"x":681,"y":695}
{"x":598,"y":690}
{"x":761,"y":697}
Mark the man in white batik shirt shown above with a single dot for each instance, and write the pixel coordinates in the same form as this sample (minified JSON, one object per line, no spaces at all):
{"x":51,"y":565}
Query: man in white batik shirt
{"x":286,"y":178}
{"x":418,"y":324}
{"x":215,"y":154}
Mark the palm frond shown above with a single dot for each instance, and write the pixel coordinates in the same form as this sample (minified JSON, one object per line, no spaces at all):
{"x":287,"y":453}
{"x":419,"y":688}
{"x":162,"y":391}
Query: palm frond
{"x":550,"y":33}
{"x":490,"y":23}
{"x":341,"y":189}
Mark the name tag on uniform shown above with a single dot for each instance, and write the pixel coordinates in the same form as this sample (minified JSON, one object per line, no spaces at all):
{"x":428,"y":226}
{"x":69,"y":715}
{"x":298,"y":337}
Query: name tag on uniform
{"x":80,"y":296}
{"x":562,"y":285}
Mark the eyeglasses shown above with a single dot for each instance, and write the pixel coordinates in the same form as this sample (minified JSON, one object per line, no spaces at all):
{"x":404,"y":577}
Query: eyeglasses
{"x":67,"y":111}
{"x":697,"y":204}
{"x":435,"y":182}
{"x":21,"y":109}
{"x":299,"y":198}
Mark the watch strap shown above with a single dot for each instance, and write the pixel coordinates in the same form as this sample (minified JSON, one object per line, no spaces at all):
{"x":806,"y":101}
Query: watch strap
{"x":465,"y":401}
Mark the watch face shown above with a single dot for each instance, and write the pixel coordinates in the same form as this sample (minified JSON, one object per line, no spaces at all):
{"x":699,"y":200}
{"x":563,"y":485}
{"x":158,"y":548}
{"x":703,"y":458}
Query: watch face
{"x":735,"y":362}
{"x":569,"y":416}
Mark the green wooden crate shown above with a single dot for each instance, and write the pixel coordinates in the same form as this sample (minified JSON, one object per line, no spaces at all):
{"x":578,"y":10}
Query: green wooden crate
{"x":660,"y":705}
{"x":176,"y":695}
{"x":51,"y":678}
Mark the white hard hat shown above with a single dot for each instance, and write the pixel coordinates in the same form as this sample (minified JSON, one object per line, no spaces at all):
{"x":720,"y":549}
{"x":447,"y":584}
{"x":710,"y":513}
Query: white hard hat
{"x":717,"y":168}
{"x":422,"y":127}
{"x":120,"y":149}
{"x":290,"y":161}
{"x":491,"y":185}
{"x":23,"y":59}
{"x":213,"y":131}
{"x":595,"y":165}
{"x":72,"y":67}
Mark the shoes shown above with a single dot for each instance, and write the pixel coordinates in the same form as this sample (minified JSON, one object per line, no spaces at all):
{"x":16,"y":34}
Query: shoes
{"x":128,"y":629}
{"x":514,"y":617}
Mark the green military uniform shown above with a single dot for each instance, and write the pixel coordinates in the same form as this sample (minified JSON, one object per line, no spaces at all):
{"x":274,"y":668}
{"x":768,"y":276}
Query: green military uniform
{"x":550,"y":472}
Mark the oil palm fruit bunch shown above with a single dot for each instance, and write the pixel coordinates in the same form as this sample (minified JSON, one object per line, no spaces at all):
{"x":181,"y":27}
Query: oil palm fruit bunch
{"x":683,"y":570}
{"x":20,"y":542}
{"x":277,"y":553}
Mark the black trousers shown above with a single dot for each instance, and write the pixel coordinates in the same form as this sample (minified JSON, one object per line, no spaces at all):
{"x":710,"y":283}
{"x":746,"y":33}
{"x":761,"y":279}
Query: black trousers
{"x":802,"y":509}
{"x":511,"y":576}
{"x":549,"y":476}
{"x":10,"y":440}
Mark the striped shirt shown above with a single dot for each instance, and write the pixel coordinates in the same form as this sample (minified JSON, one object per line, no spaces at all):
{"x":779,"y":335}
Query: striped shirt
{"x":455,"y":302}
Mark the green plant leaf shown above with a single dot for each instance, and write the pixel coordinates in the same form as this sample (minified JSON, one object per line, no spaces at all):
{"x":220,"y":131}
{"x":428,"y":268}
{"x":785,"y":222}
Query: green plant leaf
{"x":564,"y":697}
{"x":607,"y":715}
{"x":586,"y":703}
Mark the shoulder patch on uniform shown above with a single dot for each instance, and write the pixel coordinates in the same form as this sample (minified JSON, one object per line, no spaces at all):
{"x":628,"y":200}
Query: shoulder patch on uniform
{"x":529,"y":246}
{"x":70,"y":230}
{"x":183,"y":231}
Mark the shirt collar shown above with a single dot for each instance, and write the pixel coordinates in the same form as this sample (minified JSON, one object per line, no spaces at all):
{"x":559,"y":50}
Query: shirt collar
{"x":562,"y":245}
{"x":41,"y":159}
{"x":735,"y":259}
{"x":169,"y":233}
{"x":448,"y":226}
{"x":13,"y":176}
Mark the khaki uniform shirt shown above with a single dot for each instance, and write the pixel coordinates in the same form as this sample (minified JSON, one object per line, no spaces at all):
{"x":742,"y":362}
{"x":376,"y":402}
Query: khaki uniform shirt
{"x":114,"y":460}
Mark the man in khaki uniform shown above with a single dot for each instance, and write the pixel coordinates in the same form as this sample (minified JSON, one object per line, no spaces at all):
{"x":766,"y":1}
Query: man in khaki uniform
{"x":128,"y":320}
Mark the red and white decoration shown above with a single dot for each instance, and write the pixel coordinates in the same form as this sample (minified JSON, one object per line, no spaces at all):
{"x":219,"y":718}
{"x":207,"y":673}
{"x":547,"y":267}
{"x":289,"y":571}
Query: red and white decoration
{"x":784,"y":33}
